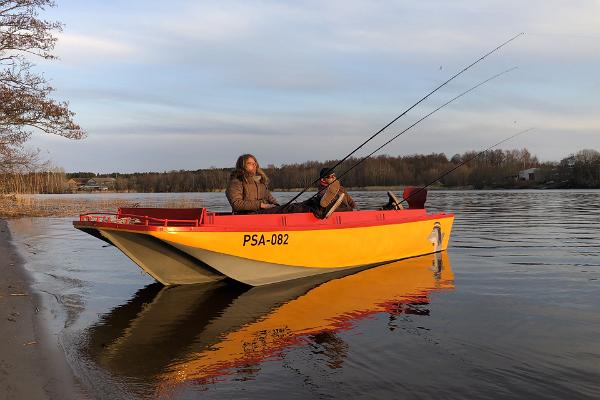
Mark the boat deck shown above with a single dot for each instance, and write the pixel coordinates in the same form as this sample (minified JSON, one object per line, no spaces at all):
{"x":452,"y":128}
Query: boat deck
{"x":199,"y":219}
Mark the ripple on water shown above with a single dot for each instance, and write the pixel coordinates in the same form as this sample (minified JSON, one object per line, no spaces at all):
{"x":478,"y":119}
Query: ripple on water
{"x":517,"y":318}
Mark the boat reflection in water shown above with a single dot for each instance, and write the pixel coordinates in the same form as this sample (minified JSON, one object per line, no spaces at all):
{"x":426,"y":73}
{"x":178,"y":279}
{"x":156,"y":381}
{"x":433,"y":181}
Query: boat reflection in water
{"x":166,"y":336}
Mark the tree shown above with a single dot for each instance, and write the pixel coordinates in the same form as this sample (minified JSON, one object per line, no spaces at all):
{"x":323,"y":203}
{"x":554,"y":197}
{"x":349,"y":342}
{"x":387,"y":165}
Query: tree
{"x":586,"y":169}
{"x":25,"y":101}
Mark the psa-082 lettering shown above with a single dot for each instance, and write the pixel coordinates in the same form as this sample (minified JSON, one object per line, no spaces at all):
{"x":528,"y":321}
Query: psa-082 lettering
{"x":276,"y":239}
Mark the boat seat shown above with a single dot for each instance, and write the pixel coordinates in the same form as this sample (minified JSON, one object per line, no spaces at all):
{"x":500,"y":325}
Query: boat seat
{"x":415,"y":197}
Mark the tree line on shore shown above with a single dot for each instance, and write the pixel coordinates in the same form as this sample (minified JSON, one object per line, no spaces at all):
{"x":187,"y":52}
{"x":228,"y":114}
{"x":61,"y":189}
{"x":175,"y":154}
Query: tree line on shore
{"x":491,"y":170}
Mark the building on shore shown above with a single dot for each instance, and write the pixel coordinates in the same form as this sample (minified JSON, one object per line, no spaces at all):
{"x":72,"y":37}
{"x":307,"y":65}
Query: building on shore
{"x":91,"y":184}
{"x":527,"y":174}
{"x":74,"y":184}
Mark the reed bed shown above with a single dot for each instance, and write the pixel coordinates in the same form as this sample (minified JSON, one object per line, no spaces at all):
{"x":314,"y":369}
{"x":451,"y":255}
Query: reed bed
{"x":13,"y":206}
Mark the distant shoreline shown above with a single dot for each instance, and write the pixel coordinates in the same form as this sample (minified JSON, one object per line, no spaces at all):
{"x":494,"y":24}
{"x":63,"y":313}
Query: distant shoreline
{"x":312,"y":189}
{"x":55,"y":205}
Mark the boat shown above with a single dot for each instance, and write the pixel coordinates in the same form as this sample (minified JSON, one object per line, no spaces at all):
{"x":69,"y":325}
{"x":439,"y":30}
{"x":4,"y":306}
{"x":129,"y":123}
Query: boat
{"x":197,"y":334}
{"x":181,"y":246}
{"x":192,"y":245}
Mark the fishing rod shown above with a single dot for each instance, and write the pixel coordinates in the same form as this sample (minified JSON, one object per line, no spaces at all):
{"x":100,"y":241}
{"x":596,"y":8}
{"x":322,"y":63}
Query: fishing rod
{"x":424,"y":117}
{"x":465,"y":162}
{"x":412,"y":125}
{"x":407,"y":110}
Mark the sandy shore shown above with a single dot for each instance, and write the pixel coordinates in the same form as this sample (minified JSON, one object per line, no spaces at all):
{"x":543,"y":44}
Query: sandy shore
{"x":32,"y":365}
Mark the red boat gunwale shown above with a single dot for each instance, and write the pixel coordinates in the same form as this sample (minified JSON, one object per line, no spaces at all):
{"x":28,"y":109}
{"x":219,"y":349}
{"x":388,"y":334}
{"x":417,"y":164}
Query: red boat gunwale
{"x":200,"y":220}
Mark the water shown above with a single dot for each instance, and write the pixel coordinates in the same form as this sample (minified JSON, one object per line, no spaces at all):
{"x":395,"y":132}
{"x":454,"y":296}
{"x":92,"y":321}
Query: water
{"x":511,"y":311}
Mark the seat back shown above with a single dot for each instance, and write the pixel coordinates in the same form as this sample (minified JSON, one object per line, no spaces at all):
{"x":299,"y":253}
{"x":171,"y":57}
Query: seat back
{"x":416,"y":197}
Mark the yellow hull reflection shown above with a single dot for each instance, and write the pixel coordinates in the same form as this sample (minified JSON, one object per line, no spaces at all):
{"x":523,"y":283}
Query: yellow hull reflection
{"x":332,"y":306}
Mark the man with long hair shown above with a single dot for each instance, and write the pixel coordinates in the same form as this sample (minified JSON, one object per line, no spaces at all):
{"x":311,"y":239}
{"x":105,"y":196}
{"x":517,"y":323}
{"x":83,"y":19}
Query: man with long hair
{"x":247,"y":190}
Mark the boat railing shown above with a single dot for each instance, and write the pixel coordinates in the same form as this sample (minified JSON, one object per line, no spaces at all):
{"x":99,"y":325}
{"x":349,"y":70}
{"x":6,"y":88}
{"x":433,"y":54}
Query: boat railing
{"x":199,"y":217}
{"x":137,"y":219}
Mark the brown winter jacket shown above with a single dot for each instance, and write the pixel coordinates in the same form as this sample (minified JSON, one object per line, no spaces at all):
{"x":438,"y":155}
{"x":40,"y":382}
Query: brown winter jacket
{"x":245,"y":193}
{"x":347,"y":204}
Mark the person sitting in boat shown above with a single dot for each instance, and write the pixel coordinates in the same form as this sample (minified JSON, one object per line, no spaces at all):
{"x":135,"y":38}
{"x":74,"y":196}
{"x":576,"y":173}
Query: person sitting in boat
{"x":331,"y":196}
{"x":327,"y":177}
{"x":247,"y":190}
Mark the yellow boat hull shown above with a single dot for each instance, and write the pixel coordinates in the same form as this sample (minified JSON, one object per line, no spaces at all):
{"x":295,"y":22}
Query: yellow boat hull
{"x":279,"y":249}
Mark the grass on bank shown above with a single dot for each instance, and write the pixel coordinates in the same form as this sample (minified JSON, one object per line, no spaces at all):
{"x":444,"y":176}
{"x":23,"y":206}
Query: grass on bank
{"x":13,"y":206}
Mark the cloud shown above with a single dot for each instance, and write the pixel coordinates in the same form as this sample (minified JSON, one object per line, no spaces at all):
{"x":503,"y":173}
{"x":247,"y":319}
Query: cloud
{"x":311,"y":79}
{"x":80,"y":48}
{"x":210,"y":23}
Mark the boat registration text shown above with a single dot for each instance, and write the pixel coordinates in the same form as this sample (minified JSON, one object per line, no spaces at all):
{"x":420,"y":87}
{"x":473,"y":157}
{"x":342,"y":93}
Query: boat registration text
{"x":276,"y":239}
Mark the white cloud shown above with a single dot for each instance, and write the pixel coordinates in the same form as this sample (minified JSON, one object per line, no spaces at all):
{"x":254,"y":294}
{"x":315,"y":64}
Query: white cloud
{"x":211,"y":23}
{"x":81,"y":49}
{"x":235,"y":76}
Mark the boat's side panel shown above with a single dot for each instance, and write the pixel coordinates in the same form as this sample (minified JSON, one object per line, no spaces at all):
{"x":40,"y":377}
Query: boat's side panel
{"x":164,"y":263}
{"x":254,"y":272}
{"x":331,"y":248}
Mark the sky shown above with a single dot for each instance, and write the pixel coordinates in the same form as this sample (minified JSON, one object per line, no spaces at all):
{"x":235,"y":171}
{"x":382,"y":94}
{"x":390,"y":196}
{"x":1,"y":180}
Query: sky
{"x":174,"y":85}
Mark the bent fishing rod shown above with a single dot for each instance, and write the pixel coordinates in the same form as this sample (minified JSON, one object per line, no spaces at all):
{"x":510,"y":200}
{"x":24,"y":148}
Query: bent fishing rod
{"x":407,"y":110}
{"x":424,"y":117}
{"x":465,"y":162}
{"x":413,"y":125}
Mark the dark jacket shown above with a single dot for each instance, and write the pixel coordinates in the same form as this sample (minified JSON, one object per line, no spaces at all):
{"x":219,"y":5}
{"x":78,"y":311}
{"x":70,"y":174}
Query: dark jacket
{"x":245,"y":193}
{"x":347,"y":204}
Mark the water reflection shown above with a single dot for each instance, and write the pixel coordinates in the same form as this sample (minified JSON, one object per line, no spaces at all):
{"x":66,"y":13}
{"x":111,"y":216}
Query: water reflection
{"x":523,"y":324}
{"x":196,"y":334}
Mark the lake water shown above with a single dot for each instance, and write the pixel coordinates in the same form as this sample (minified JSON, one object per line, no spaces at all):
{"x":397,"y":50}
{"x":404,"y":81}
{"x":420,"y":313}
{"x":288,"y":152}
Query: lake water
{"x":511,"y":310}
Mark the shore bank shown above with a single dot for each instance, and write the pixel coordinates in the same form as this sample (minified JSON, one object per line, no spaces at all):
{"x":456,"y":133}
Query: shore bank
{"x":14,"y":206}
{"x":32,"y":366}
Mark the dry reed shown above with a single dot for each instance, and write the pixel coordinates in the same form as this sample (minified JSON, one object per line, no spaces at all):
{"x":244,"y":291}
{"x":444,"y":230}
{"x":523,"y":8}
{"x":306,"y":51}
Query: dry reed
{"x":12,"y":206}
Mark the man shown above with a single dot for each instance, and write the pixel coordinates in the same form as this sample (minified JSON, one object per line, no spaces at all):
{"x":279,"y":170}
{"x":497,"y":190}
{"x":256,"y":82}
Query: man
{"x":330,"y":197}
{"x":327,"y":178}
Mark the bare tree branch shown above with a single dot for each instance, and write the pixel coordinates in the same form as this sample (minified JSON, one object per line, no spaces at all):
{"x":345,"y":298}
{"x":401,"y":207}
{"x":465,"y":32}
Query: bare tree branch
{"x":25,"y":101}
